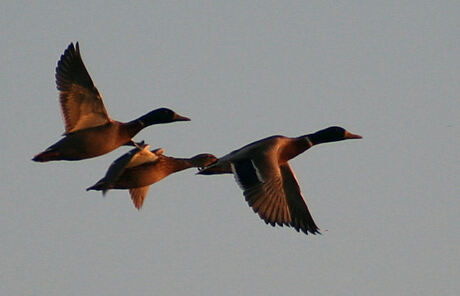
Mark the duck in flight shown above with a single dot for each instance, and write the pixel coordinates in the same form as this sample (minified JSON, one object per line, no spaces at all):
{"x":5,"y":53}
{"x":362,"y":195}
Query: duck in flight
{"x":89,"y":131}
{"x":270,"y":187}
{"x":140,"y":168}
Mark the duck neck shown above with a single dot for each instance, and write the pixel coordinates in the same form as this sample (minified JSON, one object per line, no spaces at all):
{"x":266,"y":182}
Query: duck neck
{"x":178,"y":164}
{"x":295,"y":147}
{"x":148,"y":119}
{"x":319,"y":137}
{"x":130,"y":129}
{"x":134,"y":126}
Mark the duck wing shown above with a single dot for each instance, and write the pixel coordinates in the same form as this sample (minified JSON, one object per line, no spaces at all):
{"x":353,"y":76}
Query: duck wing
{"x":134,"y":157}
{"x":273,"y":192}
{"x":138,"y":195}
{"x":144,"y":156}
{"x":263,"y":189}
{"x":300,"y":215}
{"x":81,"y":103}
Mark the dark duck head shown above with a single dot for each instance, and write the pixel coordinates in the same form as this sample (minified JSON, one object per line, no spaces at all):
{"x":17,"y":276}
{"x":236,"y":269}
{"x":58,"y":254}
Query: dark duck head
{"x":331,"y":134}
{"x":161,"y":115}
{"x":202,"y":160}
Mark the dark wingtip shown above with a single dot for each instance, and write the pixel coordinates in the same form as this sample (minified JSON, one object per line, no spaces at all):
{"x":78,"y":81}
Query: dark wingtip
{"x":314,"y":232}
{"x":71,"y":48}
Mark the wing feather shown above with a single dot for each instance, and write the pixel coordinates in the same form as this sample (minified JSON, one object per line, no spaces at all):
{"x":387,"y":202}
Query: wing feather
{"x":81,"y":103}
{"x":134,"y":157}
{"x":301,"y":217}
{"x":273,"y":193}
{"x":262,"y":186}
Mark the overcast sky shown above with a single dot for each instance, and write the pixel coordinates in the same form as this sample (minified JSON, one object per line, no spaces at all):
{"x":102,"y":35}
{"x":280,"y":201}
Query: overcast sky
{"x":388,"y":204}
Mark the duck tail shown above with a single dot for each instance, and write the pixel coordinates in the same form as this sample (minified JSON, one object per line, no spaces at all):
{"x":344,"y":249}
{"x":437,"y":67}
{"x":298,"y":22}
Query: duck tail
{"x":47,"y":155}
{"x":99,"y":186}
{"x":94,"y":187}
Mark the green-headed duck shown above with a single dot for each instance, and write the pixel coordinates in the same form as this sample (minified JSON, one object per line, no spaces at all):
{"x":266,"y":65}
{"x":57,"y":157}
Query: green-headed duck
{"x":89,"y":131}
{"x":270,"y":187}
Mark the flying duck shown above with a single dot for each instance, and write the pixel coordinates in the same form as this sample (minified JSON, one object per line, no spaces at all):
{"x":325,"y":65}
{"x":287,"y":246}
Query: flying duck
{"x":89,"y":131}
{"x":140,"y":168}
{"x":270,"y":187}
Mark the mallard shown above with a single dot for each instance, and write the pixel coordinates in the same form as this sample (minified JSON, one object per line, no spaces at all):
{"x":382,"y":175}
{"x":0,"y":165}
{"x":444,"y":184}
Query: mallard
{"x":270,"y":187}
{"x":140,"y":168}
{"x":89,"y":131}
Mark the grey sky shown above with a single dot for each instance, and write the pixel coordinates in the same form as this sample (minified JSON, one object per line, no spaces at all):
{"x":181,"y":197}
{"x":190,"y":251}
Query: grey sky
{"x":387,"y":70}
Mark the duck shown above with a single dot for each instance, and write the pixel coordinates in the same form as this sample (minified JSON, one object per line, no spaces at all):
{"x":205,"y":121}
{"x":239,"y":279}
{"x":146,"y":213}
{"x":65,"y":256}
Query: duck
{"x":139,"y":168}
{"x":89,"y":130}
{"x":269,"y":185}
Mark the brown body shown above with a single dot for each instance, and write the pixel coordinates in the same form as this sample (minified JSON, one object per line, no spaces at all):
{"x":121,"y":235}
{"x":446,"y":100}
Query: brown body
{"x":90,"y":142}
{"x":152,"y":172}
{"x":140,"y":168}
{"x":89,"y":131}
{"x":270,"y":187}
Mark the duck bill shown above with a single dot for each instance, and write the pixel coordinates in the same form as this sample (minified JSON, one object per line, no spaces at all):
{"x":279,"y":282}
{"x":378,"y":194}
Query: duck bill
{"x":178,"y":117}
{"x":349,"y":135}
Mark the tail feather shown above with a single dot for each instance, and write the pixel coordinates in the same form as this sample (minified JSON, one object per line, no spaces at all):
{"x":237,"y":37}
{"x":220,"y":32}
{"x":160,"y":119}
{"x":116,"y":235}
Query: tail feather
{"x":47,"y":155}
{"x":94,"y":187}
{"x":100,"y":185}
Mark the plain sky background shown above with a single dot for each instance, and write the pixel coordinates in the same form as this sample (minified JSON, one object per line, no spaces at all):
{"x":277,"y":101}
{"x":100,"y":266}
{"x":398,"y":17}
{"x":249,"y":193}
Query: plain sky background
{"x":242,"y":70}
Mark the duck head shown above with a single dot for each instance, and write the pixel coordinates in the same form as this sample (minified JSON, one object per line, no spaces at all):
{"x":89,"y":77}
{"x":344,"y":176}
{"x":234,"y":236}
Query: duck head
{"x":332,"y":134}
{"x":161,"y":115}
{"x":203,"y":160}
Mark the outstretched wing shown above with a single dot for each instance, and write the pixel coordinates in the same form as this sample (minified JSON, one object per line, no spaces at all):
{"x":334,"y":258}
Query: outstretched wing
{"x":273,"y":192}
{"x":300,"y":215}
{"x":81,"y":103}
